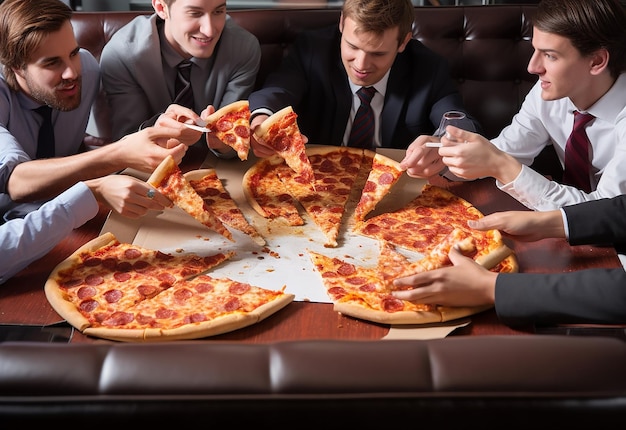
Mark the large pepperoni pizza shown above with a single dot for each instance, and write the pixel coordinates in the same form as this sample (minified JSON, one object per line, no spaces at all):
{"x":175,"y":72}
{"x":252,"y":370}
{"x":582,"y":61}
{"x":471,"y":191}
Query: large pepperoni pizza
{"x":124,"y":292}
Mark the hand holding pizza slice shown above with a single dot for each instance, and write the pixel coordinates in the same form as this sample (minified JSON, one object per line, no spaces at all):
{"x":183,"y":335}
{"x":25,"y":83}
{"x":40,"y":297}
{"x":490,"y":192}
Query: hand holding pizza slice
{"x":281,"y":133}
{"x":231,"y":125}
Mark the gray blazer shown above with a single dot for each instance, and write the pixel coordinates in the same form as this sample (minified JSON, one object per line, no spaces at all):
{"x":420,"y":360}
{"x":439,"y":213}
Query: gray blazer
{"x":135,"y":83}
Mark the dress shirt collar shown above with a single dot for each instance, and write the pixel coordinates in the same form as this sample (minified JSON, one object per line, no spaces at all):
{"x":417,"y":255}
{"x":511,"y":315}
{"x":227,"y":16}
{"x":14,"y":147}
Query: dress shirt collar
{"x":381,"y":86}
{"x":609,"y":105}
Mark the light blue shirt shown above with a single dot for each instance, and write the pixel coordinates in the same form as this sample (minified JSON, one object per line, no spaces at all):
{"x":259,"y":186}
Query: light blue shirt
{"x":541,"y":122}
{"x":19,"y":125}
{"x":23,"y":241}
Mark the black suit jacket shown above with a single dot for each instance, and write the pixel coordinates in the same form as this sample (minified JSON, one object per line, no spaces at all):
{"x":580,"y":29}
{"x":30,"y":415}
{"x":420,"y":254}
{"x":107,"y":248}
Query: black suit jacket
{"x":591,"y":296}
{"x":313,"y":81}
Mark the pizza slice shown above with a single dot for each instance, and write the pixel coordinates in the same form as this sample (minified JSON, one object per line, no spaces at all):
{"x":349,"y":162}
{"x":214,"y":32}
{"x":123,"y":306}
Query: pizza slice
{"x":168,"y":179}
{"x":209,"y":186}
{"x":325,"y":200}
{"x":426,"y":220}
{"x":267,"y":194}
{"x":231,"y":125}
{"x":281,"y":132}
{"x":105,"y":276}
{"x":359,"y":292}
{"x":201,"y":307}
{"x":392,"y":264}
{"x":383,"y":175}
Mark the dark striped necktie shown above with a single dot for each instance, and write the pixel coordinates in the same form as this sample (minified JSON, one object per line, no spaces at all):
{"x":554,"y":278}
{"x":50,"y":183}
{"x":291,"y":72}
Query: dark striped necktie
{"x":182,"y":88}
{"x":362,"y":133}
{"x":45,"y":139}
{"x":577,"y":164}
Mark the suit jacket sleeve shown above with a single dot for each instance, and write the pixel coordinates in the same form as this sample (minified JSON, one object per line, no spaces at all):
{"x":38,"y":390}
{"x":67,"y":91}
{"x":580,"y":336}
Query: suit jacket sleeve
{"x":589,"y":296}
{"x":597,"y":221}
{"x":592,"y":296}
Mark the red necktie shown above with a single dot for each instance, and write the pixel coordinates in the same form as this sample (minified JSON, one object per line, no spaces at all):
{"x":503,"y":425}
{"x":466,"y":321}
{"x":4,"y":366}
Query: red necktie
{"x":362,"y":133}
{"x":577,"y":164}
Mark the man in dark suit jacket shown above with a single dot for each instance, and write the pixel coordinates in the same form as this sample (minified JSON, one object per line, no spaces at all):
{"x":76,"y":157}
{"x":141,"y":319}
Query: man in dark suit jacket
{"x":590,"y":296}
{"x":371,"y":46}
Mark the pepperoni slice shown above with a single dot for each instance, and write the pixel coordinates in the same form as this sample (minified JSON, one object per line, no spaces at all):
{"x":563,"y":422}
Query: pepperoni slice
{"x":232,"y":304}
{"x":147,"y":290}
{"x":86,"y":292}
{"x":132,"y":253}
{"x":119,"y":319}
{"x":164,"y":313}
{"x":121,"y":276}
{"x":94,"y":280}
{"x":113,"y":296}
{"x":238,"y":288}
{"x":391,"y":304}
{"x":88,"y":306}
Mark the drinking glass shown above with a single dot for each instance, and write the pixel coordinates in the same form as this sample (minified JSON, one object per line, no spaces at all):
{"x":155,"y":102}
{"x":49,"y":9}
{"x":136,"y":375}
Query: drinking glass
{"x":455,"y":118}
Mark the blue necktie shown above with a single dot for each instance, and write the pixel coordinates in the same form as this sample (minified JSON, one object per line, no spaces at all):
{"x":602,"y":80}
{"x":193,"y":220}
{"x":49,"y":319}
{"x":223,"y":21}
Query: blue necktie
{"x":45,"y":140}
{"x":362,"y":133}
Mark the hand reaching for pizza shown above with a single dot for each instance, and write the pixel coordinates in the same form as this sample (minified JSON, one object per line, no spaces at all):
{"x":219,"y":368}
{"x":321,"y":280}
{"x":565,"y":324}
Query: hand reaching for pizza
{"x":259,"y":148}
{"x":465,"y":283}
{"x":127,"y":195}
{"x":174,"y":117}
{"x":526,"y":226}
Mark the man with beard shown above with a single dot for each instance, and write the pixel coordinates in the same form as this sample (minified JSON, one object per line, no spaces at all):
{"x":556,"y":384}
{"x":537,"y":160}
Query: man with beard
{"x":42,"y":65}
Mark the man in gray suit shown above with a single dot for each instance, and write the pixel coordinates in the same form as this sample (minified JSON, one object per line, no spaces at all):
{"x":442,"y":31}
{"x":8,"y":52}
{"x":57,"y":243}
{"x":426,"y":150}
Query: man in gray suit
{"x":521,"y":299}
{"x":140,"y":63}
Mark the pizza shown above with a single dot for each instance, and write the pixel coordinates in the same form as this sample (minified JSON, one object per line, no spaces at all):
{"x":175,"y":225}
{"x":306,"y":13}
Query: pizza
{"x":364,"y":293}
{"x":231,"y":125}
{"x":168,"y":179}
{"x":392,"y":264}
{"x":426,"y":220}
{"x":280,"y":132}
{"x":124,"y":292}
{"x":267,"y":194}
{"x":383,"y":174}
{"x":275,"y":191}
{"x":209,"y":186}
{"x":335,"y":170}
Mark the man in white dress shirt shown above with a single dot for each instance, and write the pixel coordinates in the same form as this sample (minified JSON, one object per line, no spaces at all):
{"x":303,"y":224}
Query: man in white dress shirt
{"x":580,"y":58}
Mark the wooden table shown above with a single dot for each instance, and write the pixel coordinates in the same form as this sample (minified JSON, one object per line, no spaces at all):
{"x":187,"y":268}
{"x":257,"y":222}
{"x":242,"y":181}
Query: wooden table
{"x":22,"y":299}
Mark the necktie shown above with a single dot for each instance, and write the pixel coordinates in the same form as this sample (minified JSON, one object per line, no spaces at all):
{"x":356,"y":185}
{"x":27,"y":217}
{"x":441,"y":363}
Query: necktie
{"x":362,"y":133}
{"x":45,"y":140}
{"x":577,"y":164}
{"x":182,"y":88}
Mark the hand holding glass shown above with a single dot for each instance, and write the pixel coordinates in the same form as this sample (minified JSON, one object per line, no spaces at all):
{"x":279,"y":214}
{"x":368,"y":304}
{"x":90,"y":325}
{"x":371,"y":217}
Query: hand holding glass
{"x":455,"y":118}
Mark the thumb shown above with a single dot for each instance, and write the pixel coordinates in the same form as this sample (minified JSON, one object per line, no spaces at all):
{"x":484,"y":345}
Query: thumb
{"x":480,"y":224}
{"x":455,"y":256}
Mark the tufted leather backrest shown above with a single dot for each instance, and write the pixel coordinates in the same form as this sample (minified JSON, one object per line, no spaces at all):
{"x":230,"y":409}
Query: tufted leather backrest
{"x":488,"y":48}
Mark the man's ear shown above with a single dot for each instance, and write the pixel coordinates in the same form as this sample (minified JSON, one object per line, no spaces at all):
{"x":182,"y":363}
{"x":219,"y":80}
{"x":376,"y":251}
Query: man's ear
{"x":408,"y":37}
{"x":341,"y":23}
{"x":160,"y":8}
{"x":599,"y":61}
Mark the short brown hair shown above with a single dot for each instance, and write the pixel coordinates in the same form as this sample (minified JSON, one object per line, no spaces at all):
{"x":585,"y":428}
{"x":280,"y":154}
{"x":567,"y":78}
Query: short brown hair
{"x":23,"y":25}
{"x":376,"y":16}
{"x":589,"y":25}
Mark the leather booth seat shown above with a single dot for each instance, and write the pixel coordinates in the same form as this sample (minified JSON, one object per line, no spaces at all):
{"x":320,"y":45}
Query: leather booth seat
{"x":512,"y":382}
{"x":525,"y":381}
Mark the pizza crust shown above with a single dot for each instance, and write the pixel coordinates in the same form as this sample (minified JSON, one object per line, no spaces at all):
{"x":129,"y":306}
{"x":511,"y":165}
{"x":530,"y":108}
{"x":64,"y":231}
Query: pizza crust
{"x":55,"y":295}
{"x":233,"y":107}
{"x":402,"y":317}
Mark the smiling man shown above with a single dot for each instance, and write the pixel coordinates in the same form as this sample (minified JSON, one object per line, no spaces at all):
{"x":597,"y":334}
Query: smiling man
{"x":140,"y":62}
{"x":44,"y":69}
{"x":370,"y":47}
{"x":580,"y":59}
